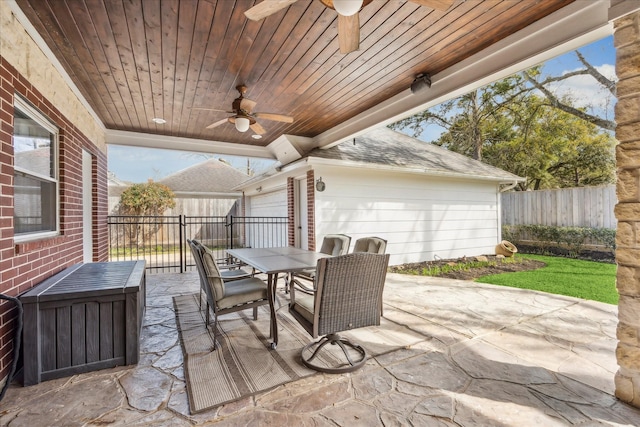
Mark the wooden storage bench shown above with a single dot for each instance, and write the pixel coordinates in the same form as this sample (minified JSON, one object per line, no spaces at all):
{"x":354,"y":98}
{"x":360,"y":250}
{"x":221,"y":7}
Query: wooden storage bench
{"x":85,"y":318}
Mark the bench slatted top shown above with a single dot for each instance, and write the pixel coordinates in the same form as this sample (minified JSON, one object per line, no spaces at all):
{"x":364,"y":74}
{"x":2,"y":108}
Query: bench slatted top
{"x":86,"y":280}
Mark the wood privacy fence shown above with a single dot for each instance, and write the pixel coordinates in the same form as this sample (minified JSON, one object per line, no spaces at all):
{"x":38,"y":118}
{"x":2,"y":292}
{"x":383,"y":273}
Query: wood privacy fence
{"x":191,"y":206}
{"x":565,"y":207}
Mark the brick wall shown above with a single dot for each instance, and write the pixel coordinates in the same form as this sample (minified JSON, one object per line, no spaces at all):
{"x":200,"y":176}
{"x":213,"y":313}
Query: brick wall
{"x":627,"y":43}
{"x":26,"y":264}
{"x":311,"y":211}
{"x":291,"y":210}
{"x":291,"y":207}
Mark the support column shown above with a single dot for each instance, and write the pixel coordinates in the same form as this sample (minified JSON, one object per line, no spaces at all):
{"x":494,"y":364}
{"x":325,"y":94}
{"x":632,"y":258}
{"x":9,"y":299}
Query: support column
{"x":627,"y":112}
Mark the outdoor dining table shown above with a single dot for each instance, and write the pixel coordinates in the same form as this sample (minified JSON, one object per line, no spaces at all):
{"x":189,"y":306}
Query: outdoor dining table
{"x":273,"y":261}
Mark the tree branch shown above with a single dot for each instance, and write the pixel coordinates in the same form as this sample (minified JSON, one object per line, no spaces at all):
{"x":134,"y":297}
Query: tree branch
{"x":609,"y":84}
{"x":556,"y":103}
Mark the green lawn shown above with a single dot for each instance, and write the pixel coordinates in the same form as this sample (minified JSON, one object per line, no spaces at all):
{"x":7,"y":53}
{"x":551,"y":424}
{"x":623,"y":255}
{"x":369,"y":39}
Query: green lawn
{"x":564,"y":276}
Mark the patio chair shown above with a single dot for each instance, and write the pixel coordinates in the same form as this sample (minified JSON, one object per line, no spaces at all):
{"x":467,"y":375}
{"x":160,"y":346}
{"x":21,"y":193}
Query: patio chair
{"x":224,"y":298}
{"x":348,"y":289}
{"x":332,"y":244}
{"x":228,"y":271}
{"x":372,"y":245}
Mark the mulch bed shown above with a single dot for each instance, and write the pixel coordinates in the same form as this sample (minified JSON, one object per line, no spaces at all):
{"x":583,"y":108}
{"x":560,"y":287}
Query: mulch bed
{"x":499,"y":265}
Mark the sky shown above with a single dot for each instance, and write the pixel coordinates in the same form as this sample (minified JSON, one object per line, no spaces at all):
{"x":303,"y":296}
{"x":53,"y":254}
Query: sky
{"x":136,"y":164}
{"x":139,"y":164}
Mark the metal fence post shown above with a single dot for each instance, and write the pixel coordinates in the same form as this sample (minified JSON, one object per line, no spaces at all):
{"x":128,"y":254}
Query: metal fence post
{"x":181,"y":233}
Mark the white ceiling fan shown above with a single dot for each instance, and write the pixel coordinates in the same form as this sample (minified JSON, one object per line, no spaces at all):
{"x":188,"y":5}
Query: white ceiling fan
{"x":243,"y":116}
{"x":348,"y":18}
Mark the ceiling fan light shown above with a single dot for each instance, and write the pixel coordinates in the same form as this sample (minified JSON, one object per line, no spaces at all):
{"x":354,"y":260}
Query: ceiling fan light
{"x":347,"y":7}
{"x":242,"y":124}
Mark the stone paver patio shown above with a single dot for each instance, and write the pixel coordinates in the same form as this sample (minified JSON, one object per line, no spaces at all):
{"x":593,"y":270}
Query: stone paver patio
{"x":491,"y":356}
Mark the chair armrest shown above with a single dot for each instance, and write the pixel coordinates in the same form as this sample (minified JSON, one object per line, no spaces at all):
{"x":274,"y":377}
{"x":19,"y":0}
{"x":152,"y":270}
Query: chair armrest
{"x":235,"y":274}
{"x":298,"y":280}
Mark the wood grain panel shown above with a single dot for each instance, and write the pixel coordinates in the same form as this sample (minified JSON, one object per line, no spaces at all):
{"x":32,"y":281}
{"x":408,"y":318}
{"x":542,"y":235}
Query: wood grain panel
{"x":93,"y":331}
{"x":63,"y":337}
{"x":140,"y":59}
{"x":48,"y":339}
{"x":106,"y":330}
{"x":119,"y":320}
{"x":168,"y":42}
{"x":78,"y":335}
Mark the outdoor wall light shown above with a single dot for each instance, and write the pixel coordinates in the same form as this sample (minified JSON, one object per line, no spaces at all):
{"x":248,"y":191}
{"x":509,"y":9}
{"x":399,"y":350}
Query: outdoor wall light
{"x":420,"y":83}
{"x":320,"y":186}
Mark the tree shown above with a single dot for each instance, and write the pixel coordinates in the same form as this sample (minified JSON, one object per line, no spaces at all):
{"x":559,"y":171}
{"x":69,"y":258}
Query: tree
{"x":148,"y":199}
{"x":554,"y":149}
{"x":519,"y":124}
{"x":553,"y":100}
{"x":471,"y":119}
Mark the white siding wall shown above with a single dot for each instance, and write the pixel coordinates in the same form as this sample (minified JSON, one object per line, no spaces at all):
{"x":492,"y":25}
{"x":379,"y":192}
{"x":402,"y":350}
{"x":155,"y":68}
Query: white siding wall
{"x":421,"y":218}
{"x":268,"y":204}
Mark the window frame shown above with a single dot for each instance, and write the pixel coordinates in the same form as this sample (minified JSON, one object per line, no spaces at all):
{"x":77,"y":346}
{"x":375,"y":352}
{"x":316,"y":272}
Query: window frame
{"x":30,"y":111}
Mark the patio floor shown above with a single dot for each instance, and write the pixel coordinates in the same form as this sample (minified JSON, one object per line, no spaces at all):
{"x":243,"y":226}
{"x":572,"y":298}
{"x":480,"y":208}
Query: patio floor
{"x":491,"y":356}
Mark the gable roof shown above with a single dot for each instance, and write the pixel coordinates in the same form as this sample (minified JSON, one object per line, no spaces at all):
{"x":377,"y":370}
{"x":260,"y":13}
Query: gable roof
{"x":211,"y":176}
{"x":388,"y":148}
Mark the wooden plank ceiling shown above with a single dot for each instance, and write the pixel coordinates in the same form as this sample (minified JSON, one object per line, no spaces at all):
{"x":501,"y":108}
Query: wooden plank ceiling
{"x":135,"y":60}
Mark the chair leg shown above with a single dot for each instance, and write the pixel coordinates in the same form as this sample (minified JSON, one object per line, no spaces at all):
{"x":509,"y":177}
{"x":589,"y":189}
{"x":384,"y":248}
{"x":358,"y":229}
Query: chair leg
{"x":255,"y":313}
{"x":287,"y":282}
{"x":215,"y":331}
{"x":334,"y":339}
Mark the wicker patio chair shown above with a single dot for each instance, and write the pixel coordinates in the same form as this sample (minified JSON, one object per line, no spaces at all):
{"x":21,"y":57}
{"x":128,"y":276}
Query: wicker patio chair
{"x":222,"y":298}
{"x":348,"y":291}
{"x":332,"y":244}
{"x":372,"y":245}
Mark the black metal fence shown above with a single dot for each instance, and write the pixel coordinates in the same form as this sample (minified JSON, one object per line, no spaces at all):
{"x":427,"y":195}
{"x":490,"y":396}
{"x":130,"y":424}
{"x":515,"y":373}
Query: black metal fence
{"x":162,"y":240}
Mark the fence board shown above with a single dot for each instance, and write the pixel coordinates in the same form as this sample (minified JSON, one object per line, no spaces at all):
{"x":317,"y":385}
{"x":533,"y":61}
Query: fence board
{"x":565,"y":207}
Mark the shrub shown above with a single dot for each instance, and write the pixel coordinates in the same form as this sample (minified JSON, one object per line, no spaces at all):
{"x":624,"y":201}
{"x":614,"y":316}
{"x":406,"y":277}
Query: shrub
{"x":573,"y":239}
{"x":146,"y":199}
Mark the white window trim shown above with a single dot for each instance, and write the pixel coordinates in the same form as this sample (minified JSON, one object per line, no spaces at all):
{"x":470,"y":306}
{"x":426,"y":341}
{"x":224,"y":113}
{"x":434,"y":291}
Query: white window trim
{"x":26,"y":108}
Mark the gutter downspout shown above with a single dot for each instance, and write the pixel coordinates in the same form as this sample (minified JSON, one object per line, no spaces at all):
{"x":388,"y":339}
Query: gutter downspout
{"x":509,"y":187}
{"x":502,"y":190}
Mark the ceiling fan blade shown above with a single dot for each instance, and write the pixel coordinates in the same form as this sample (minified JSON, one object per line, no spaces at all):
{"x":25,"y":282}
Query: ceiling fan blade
{"x":435,"y":4}
{"x":218,"y":123}
{"x":266,"y":8}
{"x":258,"y":129}
{"x":247,"y":105}
{"x":211,"y":109}
{"x":272,"y":116}
{"x":348,"y":33}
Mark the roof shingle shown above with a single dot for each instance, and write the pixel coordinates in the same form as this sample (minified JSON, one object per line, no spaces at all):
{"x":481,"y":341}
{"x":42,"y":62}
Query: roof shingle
{"x":390,"y":148}
{"x":211,"y":176}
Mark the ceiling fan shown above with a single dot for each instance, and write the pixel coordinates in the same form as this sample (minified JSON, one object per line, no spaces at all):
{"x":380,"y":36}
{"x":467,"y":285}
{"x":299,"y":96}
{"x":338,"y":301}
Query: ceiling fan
{"x":244,"y":117}
{"x":348,"y":19}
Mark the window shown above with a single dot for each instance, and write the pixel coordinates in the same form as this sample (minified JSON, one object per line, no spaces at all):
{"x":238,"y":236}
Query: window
{"x":35,"y":143}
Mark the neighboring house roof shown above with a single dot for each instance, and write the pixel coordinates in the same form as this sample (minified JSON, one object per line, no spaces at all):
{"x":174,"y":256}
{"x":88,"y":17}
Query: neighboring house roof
{"x":211,"y":176}
{"x":389,"y":148}
{"x":115,"y":181}
{"x":115,"y":185}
